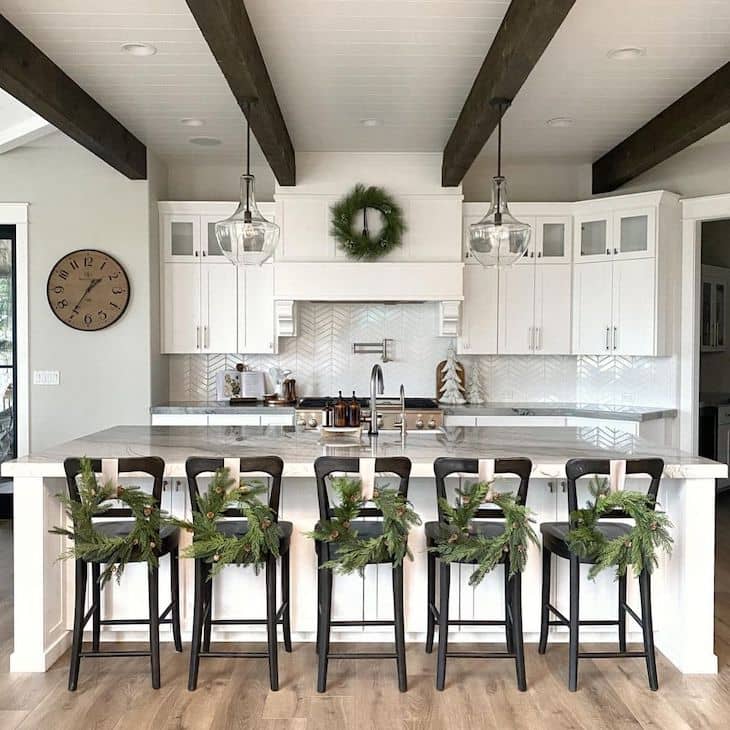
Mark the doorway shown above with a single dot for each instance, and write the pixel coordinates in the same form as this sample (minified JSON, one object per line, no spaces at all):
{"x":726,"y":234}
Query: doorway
{"x":8,"y":360}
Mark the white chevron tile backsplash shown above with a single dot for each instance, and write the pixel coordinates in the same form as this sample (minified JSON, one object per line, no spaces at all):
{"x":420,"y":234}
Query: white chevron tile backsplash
{"x":321,"y":360}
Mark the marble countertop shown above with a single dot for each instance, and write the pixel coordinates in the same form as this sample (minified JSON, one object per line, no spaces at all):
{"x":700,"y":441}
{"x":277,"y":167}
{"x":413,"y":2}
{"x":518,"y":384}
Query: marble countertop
{"x":585,"y":410}
{"x":549,"y":448}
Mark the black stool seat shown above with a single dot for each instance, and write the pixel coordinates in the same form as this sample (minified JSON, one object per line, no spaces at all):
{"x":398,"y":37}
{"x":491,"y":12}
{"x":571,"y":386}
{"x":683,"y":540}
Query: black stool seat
{"x":554,"y":536}
{"x":483,"y":529}
{"x":238,"y":528}
{"x":365,"y":529}
{"x":169,"y":535}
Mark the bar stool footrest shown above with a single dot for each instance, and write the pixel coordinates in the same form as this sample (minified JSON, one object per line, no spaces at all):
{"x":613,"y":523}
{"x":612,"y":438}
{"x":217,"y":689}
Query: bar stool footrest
{"x":362,"y":655}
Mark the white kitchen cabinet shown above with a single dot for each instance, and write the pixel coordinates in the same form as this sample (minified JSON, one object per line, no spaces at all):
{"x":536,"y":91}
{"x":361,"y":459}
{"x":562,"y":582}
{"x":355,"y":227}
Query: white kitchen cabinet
{"x":623,"y":233}
{"x":479,"y":312}
{"x":615,"y":309}
{"x":234,"y":419}
{"x":179,"y":419}
{"x":219,"y":303}
{"x":256,"y":309}
{"x":535,"y":309}
{"x":210,"y":251}
{"x":181,"y":316}
{"x":713,"y":309}
{"x":180,"y":235}
{"x":519,"y":421}
{"x":554,"y":239}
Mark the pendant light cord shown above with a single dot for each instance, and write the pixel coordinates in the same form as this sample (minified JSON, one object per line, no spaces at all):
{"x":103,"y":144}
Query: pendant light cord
{"x":248,"y":158}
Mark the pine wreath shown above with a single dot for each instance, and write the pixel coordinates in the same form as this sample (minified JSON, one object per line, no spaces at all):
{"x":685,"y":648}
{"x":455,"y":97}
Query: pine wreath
{"x":353,"y":553}
{"x":114,"y":551}
{"x":218,"y":549}
{"x":360,"y":244}
{"x":459,"y":543}
{"x":638,"y":548}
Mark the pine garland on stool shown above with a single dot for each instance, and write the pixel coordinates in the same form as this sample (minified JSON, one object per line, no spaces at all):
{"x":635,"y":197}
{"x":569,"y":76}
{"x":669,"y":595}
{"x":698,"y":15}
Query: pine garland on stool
{"x":459,"y":542}
{"x":353,"y":553}
{"x":89,"y":544}
{"x":360,"y":245}
{"x":260,"y":540}
{"x":638,"y":548}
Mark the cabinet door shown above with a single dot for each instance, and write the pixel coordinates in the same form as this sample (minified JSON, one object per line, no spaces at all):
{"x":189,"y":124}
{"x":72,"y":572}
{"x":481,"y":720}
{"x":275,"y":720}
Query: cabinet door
{"x":517,"y":334}
{"x":720,"y":304}
{"x":256,"y":309}
{"x":181,"y":317}
{"x":634,"y":308}
{"x":593,"y":237}
{"x":210,"y":251}
{"x":554,"y":243}
{"x":634,"y":233}
{"x":592,"y":295}
{"x":708,"y":316}
{"x":479,"y":311}
{"x":219,"y":310}
{"x":181,"y":238}
{"x":532,"y":244}
{"x":553,"y":305}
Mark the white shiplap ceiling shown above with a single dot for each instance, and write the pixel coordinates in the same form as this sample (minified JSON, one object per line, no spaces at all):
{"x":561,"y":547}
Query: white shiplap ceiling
{"x":407,"y":63}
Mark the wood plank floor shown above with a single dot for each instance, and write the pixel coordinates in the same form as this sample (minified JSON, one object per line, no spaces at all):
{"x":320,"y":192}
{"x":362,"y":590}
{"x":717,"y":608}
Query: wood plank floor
{"x":115,"y":694}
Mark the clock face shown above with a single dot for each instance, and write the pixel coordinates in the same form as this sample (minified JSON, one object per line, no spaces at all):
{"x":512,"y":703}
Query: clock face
{"x":88,"y":290}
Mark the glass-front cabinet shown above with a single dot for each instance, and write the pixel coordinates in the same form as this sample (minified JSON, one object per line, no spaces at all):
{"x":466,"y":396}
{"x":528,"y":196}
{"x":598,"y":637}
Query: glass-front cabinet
{"x":715,"y":282}
{"x":181,"y":238}
{"x":622,"y":234}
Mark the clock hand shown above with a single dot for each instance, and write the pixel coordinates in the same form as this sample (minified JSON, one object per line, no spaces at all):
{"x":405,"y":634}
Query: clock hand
{"x":94,"y":282}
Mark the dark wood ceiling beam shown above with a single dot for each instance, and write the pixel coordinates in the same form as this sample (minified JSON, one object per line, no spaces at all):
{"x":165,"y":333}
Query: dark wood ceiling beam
{"x":526,"y":30}
{"x":693,"y":116}
{"x":227,"y":30}
{"x":33,"y":79}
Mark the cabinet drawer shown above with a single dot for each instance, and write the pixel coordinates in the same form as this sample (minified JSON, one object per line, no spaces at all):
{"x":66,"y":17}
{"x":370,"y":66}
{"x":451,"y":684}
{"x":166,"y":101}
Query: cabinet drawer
{"x":455,"y":421}
{"x":520,"y":421}
{"x":234,"y":419}
{"x":277,"y":419}
{"x":179,"y":419}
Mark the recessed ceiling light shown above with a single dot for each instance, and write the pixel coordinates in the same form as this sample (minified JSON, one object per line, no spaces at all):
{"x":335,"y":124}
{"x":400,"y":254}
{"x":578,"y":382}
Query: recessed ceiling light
{"x":139,"y":49}
{"x":205,"y":141}
{"x":370,"y":122}
{"x":626,"y":54}
{"x":560,"y":122}
{"x":192,"y":122}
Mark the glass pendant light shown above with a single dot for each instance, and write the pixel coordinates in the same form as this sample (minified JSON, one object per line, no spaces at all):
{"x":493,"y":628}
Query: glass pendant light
{"x":247,"y":238}
{"x":499,"y":239}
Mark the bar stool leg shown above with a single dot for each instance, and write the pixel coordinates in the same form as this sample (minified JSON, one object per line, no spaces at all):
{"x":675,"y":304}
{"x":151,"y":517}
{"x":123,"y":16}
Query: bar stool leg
{"x":430,"y":600}
{"x":197,"y":634}
{"x":648,"y":628}
{"x":208,"y":627}
{"x":175,"y":593}
{"x":286,"y":599}
{"x":509,"y":610}
{"x":444,"y":585}
{"x":153,"y":589}
{"x":622,"y":613}
{"x":324,"y":628}
{"x":519,"y":646}
{"x":545,"y":615}
{"x":574,"y":625}
{"x":96,"y":600}
{"x":78,"y":633}
{"x":319,"y":596}
{"x":271,"y":623}
{"x":400,"y":633}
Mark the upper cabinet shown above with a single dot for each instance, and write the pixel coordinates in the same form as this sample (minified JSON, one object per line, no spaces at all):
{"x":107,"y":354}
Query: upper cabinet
{"x":551,"y":240}
{"x":208,"y":305}
{"x":713,"y":308}
{"x":621,"y":234}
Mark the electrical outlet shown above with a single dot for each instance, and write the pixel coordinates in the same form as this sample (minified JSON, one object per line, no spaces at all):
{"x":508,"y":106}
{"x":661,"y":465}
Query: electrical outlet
{"x":46,"y":377}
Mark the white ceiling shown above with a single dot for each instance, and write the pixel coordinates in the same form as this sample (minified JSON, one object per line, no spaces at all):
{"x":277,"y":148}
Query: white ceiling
{"x":407,"y":63}
{"x":18,"y":124}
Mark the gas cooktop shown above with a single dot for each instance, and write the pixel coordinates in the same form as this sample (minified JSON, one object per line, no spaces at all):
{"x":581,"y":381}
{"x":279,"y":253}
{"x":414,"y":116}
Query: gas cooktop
{"x":417,"y":404}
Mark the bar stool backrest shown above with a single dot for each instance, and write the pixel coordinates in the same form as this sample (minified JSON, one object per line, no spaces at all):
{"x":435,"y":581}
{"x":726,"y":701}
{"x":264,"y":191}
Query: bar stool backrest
{"x":446,"y":466}
{"x":272,"y":466}
{"x":577,"y":468}
{"x":325,"y":466}
{"x":154,"y":466}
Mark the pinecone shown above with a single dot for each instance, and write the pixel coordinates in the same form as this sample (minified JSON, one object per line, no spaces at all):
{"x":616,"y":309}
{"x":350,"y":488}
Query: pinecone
{"x":147,"y":511}
{"x":216,"y":558}
{"x":334,"y":535}
{"x":210,"y":515}
{"x":152,"y":544}
{"x":266,"y":524}
{"x":120,"y":490}
{"x":454,"y":538}
{"x":376,"y":493}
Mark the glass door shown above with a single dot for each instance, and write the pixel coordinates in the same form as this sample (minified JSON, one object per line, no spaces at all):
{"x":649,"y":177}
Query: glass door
{"x":8,"y":355}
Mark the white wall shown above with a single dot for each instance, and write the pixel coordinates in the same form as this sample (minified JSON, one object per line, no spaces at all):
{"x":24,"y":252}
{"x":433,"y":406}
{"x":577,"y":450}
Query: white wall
{"x":190,"y":179}
{"x":77,"y":201}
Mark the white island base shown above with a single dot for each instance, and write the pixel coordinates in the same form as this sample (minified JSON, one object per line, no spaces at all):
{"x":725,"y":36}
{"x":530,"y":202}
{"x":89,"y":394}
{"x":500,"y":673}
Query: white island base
{"x":682,"y":586}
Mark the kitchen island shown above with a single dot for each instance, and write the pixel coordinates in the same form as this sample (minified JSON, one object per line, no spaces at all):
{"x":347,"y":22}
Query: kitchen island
{"x":683,"y":585}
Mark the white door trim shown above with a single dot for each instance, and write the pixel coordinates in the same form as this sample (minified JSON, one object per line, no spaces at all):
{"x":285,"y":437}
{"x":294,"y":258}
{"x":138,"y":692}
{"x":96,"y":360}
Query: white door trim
{"x":694,"y":211}
{"x":17,"y":214}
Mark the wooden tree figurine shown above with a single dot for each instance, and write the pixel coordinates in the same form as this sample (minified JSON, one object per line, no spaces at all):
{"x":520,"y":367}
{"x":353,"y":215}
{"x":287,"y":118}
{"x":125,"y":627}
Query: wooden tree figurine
{"x":451,"y":390}
{"x":474,"y":394}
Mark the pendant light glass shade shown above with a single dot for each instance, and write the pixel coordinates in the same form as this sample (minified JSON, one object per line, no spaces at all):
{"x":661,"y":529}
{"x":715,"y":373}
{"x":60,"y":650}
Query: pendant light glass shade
{"x":247,"y":238}
{"x":499,"y":239}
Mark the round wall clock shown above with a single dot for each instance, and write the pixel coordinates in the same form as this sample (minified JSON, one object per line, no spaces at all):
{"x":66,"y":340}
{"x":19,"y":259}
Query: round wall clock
{"x":88,"y":289}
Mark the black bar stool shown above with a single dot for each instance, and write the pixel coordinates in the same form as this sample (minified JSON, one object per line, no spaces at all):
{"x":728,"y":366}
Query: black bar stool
{"x":486,"y":526}
{"x":554,"y":542}
{"x":324,"y":467}
{"x":168,"y":545}
{"x":203,"y":620}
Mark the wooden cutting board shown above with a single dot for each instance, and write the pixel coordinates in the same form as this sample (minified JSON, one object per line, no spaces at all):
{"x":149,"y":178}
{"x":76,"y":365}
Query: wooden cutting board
{"x":460,"y":371}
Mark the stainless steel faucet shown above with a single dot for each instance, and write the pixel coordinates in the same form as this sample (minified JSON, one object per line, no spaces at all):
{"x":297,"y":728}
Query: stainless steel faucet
{"x":376,"y":386}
